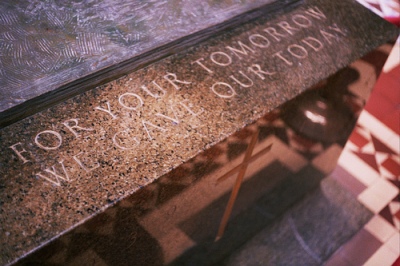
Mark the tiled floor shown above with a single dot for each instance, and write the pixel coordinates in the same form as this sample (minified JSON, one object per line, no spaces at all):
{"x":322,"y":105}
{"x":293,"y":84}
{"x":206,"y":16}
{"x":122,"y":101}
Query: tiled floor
{"x":369,"y":167}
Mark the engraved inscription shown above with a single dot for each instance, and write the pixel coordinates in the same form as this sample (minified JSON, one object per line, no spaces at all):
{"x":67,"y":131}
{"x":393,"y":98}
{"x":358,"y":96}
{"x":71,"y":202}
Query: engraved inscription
{"x":242,"y":72}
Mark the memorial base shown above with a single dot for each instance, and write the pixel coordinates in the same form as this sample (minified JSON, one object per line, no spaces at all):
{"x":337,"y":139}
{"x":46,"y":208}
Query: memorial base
{"x":187,"y":159}
{"x":256,"y":197}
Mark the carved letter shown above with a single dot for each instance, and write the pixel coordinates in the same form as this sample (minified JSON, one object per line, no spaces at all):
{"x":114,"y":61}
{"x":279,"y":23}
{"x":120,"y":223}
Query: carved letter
{"x":263,"y":44}
{"x":328,"y":35}
{"x":229,"y":95}
{"x":174,"y":120}
{"x":188,"y":108}
{"x":220,"y":63}
{"x":316,"y":13}
{"x":144,"y":122}
{"x":285,"y":26}
{"x":202,"y":65}
{"x":241,"y":83}
{"x":117,"y":143}
{"x":337,"y":29}
{"x":54,"y":177}
{"x":19,"y":152}
{"x":174,"y":80}
{"x":83,"y":166}
{"x":302,"y":21}
{"x":72,"y":128}
{"x":47,"y":147}
{"x":108,"y":110}
{"x":274,"y":34}
{"x":152,"y":94}
{"x":303,"y":53}
{"x":120,"y":100}
{"x":256,"y":69}
{"x":315,"y":44}
{"x":243,"y":51}
{"x":280,"y":56}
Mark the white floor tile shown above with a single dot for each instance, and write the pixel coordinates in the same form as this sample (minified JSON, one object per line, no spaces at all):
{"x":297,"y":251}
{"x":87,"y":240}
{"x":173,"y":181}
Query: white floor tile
{"x":380,"y":228}
{"x":351,"y":146}
{"x":384,"y":189}
{"x":393,"y":59}
{"x":379,"y":130}
{"x":381,"y":157}
{"x":394,"y":243}
{"x":383,"y":256}
{"x":395,"y":142}
{"x":368,"y":148}
{"x":394,"y":207}
{"x":371,"y":201}
{"x":358,"y":168}
{"x":397,"y":223}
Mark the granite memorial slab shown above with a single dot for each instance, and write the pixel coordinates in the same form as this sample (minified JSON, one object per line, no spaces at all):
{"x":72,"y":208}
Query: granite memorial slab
{"x":176,"y":219}
{"x":53,"y":50}
{"x":73,"y":161}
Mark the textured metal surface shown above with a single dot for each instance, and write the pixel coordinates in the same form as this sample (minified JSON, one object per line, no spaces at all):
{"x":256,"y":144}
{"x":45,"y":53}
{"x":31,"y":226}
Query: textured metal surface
{"x":46,"y":44}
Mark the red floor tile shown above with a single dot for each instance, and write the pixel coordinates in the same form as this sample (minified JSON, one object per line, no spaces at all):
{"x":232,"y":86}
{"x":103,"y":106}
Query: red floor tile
{"x":387,"y":215}
{"x":368,"y":159}
{"x":397,"y":215}
{"x":389,"y":87}
{"x":397,"y":262}
{"x":358,"y":139}
{"x":381,"y":147}
{"x":395,"y":72}
{"x":392,"y":121}
{"x":379,"y":106}
{"x":392,"y":166}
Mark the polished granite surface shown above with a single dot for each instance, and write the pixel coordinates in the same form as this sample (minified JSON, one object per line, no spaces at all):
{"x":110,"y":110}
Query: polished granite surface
{"x":46,"y":44}
{"x":174,"y":220}
{"x":52,"y":50}
{"x":65,"y":164}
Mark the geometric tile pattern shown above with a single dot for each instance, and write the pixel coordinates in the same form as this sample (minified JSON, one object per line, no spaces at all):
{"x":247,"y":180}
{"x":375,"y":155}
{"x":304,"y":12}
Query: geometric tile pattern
{"x":369,"y":167}
{"x":389,"y":9}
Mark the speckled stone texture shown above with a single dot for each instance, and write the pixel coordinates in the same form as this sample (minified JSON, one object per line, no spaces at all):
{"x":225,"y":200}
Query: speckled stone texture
{"x":48,"y":44}
{"x":66,"y":164}
{"x":53,"y":50}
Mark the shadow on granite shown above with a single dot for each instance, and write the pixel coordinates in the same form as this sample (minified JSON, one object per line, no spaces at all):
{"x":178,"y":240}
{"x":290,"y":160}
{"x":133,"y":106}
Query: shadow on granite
{"x":288,"y":189}
{"x":262,"y":230}
{"x":69,"y":163}
{"x":323,"y":114}
{"x":129,"y":233}
{"x":307,"y":234}
{"x":116,"y":237}
{"x":175,"y":219}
